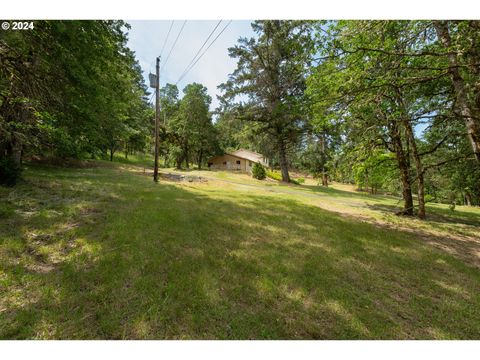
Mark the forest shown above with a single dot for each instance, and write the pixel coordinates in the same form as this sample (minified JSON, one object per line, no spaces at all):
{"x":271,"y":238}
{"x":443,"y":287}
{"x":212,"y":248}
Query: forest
{"x":391,"y":106}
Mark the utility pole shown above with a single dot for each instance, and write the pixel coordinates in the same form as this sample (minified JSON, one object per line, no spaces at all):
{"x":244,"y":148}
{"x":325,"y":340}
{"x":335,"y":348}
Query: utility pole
{"x":157,"y":116}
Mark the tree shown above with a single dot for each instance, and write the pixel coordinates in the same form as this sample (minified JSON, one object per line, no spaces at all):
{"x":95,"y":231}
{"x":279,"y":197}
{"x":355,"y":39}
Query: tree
{"x":193,"y":126}
{"x":68,"y":88}
{"x":464,"y":71}
{"x":379,"y":78}
{"x":270,"y":74}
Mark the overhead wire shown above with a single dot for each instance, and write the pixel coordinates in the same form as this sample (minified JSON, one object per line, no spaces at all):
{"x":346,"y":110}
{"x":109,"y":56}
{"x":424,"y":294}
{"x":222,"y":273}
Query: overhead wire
{"x":166,"y":38}
{"x":201,"y":48}
{"x":203,"y":53}
{"x":173,"y":46}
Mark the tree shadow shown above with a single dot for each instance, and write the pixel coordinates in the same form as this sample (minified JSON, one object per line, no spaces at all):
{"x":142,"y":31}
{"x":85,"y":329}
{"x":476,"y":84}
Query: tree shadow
{"x":161,"y":261}
{"x":434,"y":215}
{"x":330,"y":191}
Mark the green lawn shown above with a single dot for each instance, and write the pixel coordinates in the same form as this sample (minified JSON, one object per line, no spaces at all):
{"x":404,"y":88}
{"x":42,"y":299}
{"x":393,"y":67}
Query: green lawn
{"x":104,"y":252}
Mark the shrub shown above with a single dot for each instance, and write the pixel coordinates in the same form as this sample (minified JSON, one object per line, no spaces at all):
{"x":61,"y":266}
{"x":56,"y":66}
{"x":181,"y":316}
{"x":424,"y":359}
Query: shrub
{"x":9,"y":172}
{"x":275,"y":175}
{"x":258,"y":171}
{"x":429,"y":198}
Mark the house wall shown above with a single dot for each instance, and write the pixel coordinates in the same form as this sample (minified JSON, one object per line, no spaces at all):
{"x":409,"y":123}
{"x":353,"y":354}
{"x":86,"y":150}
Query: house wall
{"x":229,"y":162}
{"x":254,"y":157}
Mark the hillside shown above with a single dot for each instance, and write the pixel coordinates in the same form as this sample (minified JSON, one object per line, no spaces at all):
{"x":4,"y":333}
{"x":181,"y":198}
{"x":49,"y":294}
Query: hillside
{"x":104,"y":252}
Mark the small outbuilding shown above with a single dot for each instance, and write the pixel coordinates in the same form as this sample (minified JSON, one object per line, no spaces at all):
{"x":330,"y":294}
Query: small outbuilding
{"x":240,"y":160}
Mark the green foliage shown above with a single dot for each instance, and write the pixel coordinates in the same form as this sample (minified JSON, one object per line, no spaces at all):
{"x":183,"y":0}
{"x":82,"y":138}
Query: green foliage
{"x":258,"y":171}
{"x":55,"y":140}
{"x":270,"y":73}
{"x":191,"y":132}
{"x":74,"y":89}
{"x":374,"y":172}
{"x":378,"y":83}
{"x":10,"y":172}
{"x":275,"y":175}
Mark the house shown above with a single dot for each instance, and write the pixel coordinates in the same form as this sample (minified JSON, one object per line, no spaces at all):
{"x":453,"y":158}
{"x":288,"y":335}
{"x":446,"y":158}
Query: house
{"x":240,"y":160}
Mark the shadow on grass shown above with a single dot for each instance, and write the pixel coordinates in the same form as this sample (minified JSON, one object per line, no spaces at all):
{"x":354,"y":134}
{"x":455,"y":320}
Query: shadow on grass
{"x":163,"y":261}
{"x":341,"y":193}
{"x":435,"y":214}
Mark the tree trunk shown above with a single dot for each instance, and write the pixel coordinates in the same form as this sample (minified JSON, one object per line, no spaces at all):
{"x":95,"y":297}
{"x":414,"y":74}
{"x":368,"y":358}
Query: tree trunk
{"x":324,"y":174}
{"x":200,"y":158}
{"x":404,"y":169}
{"x":472,"y":124}
{"x":167,"y":161}
{"x":179,"y":159}
{"x":468,"y":198}
{"x":187,"y":160}
{"x":412,"y":145}
{"x":17,"y":153}
{"x":324,"y":179}
{"x":419,"y":168}
{"x":282,"y":156}
{"x":367,"y":184}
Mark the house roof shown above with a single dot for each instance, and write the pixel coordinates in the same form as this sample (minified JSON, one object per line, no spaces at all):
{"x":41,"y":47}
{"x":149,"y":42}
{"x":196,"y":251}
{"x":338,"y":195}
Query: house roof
{"x":249,"y":155}
{"x":246,"y":155}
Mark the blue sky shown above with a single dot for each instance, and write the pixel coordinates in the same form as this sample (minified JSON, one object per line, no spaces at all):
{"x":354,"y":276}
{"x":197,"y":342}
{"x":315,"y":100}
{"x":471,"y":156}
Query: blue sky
{"x":146,"y":38}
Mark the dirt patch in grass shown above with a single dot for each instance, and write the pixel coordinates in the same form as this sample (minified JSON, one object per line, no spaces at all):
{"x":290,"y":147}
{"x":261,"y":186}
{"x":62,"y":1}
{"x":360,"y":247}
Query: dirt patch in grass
{"x":175,"y":177}
{"x":463,"y":247}
{"x":457,"y":239}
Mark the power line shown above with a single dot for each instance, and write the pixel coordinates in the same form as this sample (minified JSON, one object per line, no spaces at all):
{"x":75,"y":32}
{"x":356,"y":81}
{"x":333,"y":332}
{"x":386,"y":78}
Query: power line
{"x":201,"y":48}
{"x":203,"y":53}
{"x":174,"y":43}
{"x":168,"y":34}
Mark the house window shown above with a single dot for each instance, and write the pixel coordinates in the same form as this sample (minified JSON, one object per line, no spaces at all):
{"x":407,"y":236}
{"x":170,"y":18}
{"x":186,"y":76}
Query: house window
{"x":238,"y":162}
{"x":224,"y":163}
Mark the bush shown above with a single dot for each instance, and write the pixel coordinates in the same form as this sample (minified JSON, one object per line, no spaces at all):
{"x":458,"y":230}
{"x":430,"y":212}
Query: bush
{"x":429,"y":198}
{"x":258,"y":171}
{"x":275,"y":175}
{"x":9,"y":172}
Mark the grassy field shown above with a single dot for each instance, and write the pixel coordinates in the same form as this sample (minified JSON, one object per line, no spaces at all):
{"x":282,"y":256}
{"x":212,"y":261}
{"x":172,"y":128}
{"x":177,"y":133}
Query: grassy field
{"x":103,"y":252}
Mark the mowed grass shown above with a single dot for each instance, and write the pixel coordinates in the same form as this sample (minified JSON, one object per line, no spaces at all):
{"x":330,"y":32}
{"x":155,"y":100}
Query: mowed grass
{"x":104,"y":253}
